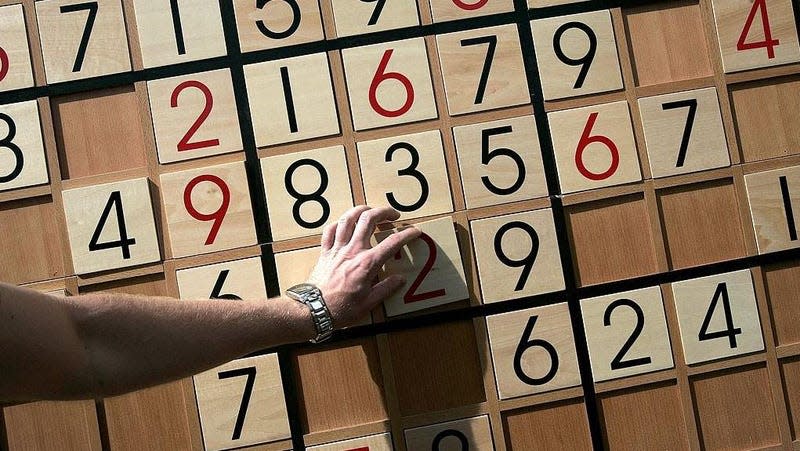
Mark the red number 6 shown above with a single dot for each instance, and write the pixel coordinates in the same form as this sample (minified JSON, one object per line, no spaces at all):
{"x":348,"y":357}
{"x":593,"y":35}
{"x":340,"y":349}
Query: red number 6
{"x":380,"y":76}
{"x":586,"y":139}
{"x":217,"y":216}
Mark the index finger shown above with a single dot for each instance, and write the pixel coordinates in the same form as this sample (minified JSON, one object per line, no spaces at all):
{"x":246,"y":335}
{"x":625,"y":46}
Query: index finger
{"x":367,"y":222}
{"x":387,"y":248}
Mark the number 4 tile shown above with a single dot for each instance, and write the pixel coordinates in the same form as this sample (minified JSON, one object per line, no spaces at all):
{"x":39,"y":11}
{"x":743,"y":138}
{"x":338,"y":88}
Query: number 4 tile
{"x":22,"y":154}
{"x":15,"y":56}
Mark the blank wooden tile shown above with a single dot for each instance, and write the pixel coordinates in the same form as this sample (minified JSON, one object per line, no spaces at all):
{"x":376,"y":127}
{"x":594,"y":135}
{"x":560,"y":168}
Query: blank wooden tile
{"x":774,"y":198}
{"x":208,"y":209}
{"x":626,"y":333}
{"x":15,"y":70}
{"x":545,"y":3}
{"x":769,"y":40}
{"x":562,"y":425}
{"x":306,"y":190}
{"x":389,"y":83}
{"x":406,"y":172}
{"x":704,"y":306}
{"x":95,"y":216}
{"x":790,"y":371}
{"x":294,"y":267}
{"x":353,"y":17}
{"x":243,"y":279}
{"x":379,"y":442}
{"x":475,"y":432}
{"x":445,"y":10}
{"x":432,"y":268}
{"x":35,"y":242}
{"x":578,"y":70}
{"x":220,"y":395}
{"x":266,"y":25}
{"x":52,"y":425}
{"x":482,"y":69}
{"x":782,"y":282}
{"x":291,"y":99}
{"x":517,"y":255}
{"x":594,"y":147}
{"x":177,"y":31}
{"x":683,"y":132}
{"x":542,"y":338}
{"x":22,"y":157}
{"x":63,"y":26}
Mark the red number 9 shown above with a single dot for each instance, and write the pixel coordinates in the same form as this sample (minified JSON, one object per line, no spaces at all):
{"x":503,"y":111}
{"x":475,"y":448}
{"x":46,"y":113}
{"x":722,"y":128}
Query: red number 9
{"x":3,"y":64}
{"x":219,"y":215}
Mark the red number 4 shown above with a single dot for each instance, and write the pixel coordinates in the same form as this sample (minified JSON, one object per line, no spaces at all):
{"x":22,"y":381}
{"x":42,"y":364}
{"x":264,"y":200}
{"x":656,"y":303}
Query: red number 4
{"x":768,"y":42}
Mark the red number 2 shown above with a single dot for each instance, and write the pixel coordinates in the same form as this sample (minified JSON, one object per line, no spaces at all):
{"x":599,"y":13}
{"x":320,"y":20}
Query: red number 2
{"x":380,"y":76}
{"x":217,"y":216}
{"x":586,"y":139}
{"x":3,"y":64}
{"x":768,"y":42}
{"x":184,"y":143}
{"x":412,"y":295}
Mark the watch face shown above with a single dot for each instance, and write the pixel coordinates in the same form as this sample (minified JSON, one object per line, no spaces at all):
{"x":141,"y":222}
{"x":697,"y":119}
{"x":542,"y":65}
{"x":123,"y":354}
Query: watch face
{"x":301,"y":289}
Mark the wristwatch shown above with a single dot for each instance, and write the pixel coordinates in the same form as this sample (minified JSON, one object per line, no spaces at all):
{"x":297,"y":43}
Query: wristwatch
{"x":311,"y":296}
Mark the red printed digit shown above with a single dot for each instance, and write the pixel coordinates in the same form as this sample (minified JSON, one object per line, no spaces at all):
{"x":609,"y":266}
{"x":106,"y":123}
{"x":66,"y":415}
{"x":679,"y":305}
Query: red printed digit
{"x":586,"y":139}
{"x":412,"y":295}
{"x":217,"y":216}
{"x":184,"y":143}
{"x":768,"y":42}
{"x":380,"y":76}
{"x":470,"y":6}
{"x":3,"y":64}
{"x":363,"y":448}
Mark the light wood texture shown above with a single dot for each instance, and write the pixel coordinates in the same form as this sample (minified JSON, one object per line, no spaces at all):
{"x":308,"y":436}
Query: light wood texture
{"x":208,"y":190}
{"x":22,"y":126}
{"x":545,"y":3}
{"x":730,"y":17}
{"x":382,"y":442}
{"x":776,"y":227}
{"x":311,"y":93}
{"x":782,"y":281}
{"x":177,"y":106}
{"x":446,"y":10}
{"x":294,"y":267}
{"x":320,"y":171}
{"x":36,"y":251}
{"x":284,"y":25}
{"x":241,"y":278}
{"x":665,"y":119}
{"x":559,"y":79}
{"x":84,"y":208}
{"x":517,"y":134}
{"x":46,"y":426}
{"x":694,"y":300}
{"x":602,"y":163}
{"x":219,"y":400}
{"x":449,"y":436}
{"x":552,"y":325}
{"x":562,"y":425}
{"x":432,"y":269}
{"x":500,"y":281}
{"x":353,"y":17}
{"x":406,"y":97}
{"x":790,"y":371}
{"x":106,"y":51}
{"x":381,"y":178}
{"x":14,"y":43}
{"x":464,"y":61}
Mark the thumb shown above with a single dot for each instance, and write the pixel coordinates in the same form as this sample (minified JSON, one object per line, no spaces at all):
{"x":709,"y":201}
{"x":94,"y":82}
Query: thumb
{"x":384,"y":289}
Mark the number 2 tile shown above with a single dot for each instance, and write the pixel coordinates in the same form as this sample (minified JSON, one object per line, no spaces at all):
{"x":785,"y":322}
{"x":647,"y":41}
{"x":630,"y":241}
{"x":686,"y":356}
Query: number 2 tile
{"x":22,"y":155}
{"x":239,"y":279}
{"x":15,"y":56}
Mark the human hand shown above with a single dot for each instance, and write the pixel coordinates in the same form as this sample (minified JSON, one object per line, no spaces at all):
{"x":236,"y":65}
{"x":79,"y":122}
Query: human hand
{"x":347,"y":270}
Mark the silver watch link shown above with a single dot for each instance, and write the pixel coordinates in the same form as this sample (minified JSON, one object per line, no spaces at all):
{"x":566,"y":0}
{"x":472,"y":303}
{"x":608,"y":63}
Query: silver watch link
{"x":311,"y":296}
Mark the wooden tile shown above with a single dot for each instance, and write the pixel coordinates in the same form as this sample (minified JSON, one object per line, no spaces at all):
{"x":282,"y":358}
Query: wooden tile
{"x":790,"y":371}
{"x":291,"y":99}
{"x":52,"y":425}
{"x":718,"y":316}
{"x":432,"y":268}
{"x":517,"y":175}
{"x":389,"y":83}
{"x":533,"y":351}
{"x":380,"y":442}
{"x":684,"y":132}
{"x":577,"y":54}
{"x":774,"y":198}
{"x":563,"y":425}
{"x":445,"y":10}
{"x":241,"y":403}
{"x":266,"y":25}
{"x":194,"y":116}
{"x":82,"y":39}
{"x":482,"y":69}
{"x":35,"y":242}
{"x":406,"y":172}
{"x":782,"y":282}
{"x":111,"y":226}
{"x":22,"y":149}
{"x":594,"y":147}
{"x":354,"y":17}
{"x":626,"y":333}
{"x":306,"y":191}
{"x":545,"y":3}
{"x":294,"y":267}
{"x":755,"y":34}
{"x":15,"y":69}
{"x":208,"y":209}
{"x":177,"y":31}
{"x":470,"y":433}
{"x":239,"y":279}
{"x":517,"y":255}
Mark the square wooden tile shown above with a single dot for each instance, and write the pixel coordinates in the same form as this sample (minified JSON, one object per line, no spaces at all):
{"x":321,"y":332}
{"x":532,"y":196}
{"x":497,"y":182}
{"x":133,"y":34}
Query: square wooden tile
{"x":577,"y":54}
{"x":683,"y":132}
{"x":718,"y":316}
{"x":546,"y":3}
{"x":177,"y":31}
{"x":533,"y":351}
{"x":241,"y":403}
{"x":470,"y":433}
{"x":378,"y":442}
{"x":517,"y":255}
{"x":36,"y":242}
{"x":208,"y":209}
{"x":306,"y":191}
{"x":445,"y":10}
{"x":291,"y":99}
{"x":265,"y":25}
{"x":406,"y":172}
{"x":111,"y":226}
{"x":22,"y":155}
{"x":82,"y":39}
{"x":482,"y":69}
{"x":77,"y":425}
{"x":561,"y":425}
{"x":594,"y":147}
{"x":194,"y":116}
{"x":755,"y":33}
{"x":782,"y":282}
{"x":389,"y":83}
{"x":790,"y":372}
{"x":294,"y":267}
{"x":774,"y":198}
{"x":233,"y":280}
{"x":15,"y":62}
{"x":518,"y":173}
{"x":627,"y":333}
{"x":354,"y":17}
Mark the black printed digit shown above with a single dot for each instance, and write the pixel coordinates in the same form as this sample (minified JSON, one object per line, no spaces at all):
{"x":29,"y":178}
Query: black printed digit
{"x":250,"y":373}
{"x":488,"y":154}
{"x":491,"y":41}
{"x":376,"y":13}
{"x":7,"y":143}
{"x":289,"y":99}
{"x":687,"y":129}
{"x":87,"y":29}
{"x":217,"y":290}
{"x":462,"y":439}
{"x":526,"y":263}
{"x":584,"y":61}
{"x":618,"y":362}
{"x":525,"y":343}
{"x":787,"y":208}
{"x":315,"y":196}
{"x":410,"y":171}
{"x":177,"y":26}
{"x":296,"y":16}
{"x":124,"y":243}
{"x":730,"y":331}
